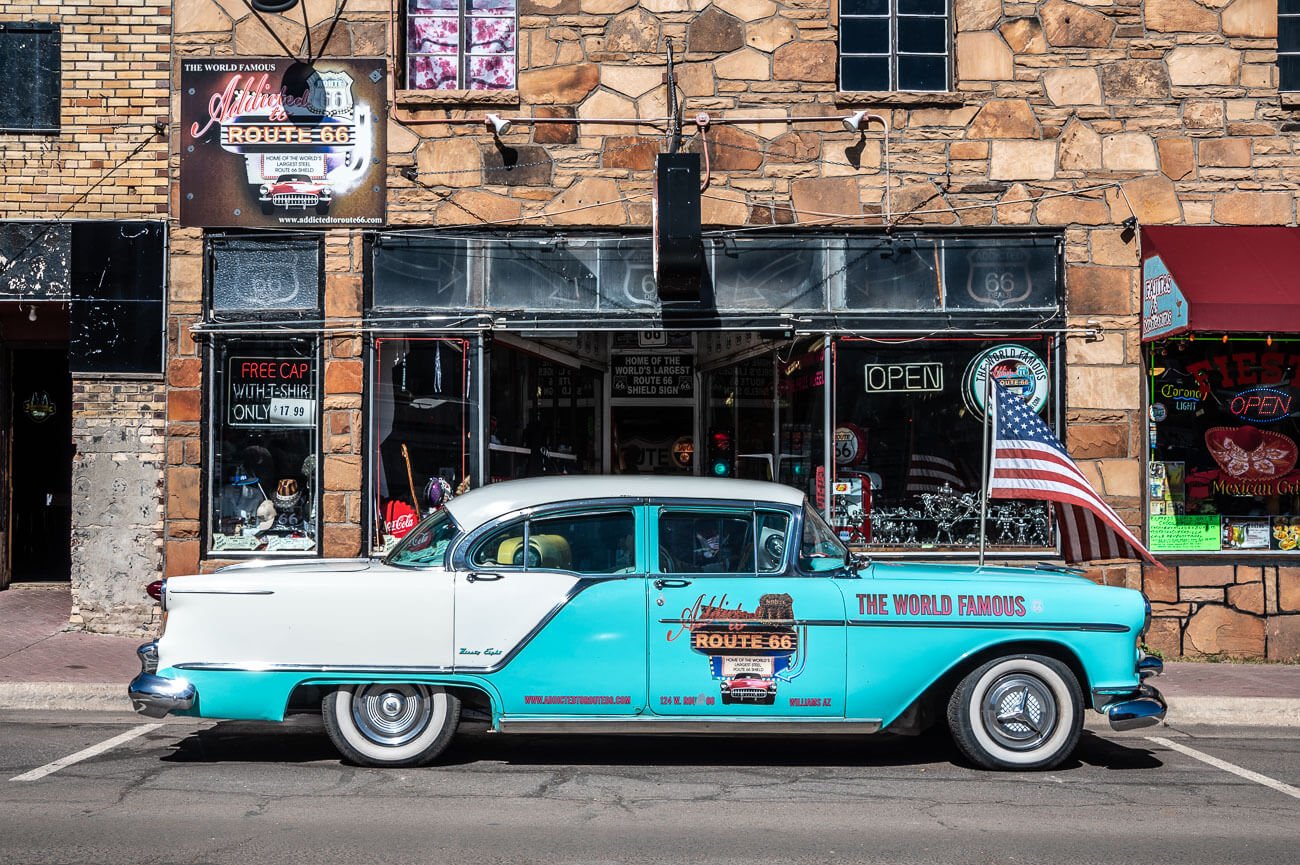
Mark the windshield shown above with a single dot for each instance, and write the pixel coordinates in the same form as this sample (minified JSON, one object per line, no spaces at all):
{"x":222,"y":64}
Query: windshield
{"x":425,"y":545}
{"x":819,"y":541}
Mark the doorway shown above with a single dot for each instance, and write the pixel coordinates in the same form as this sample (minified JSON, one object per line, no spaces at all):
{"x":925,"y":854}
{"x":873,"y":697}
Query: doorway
{"x":40,"y":461}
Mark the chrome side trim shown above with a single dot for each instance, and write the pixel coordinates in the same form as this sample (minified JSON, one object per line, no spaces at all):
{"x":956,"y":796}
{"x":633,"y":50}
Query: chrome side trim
{"x":1144,"y":707}
{"x":1103,"y":627}
{"x":148,"y":655}
{"x":222,"y":591}
{"x":673,"y":726}
{"x":155,"y":697}
{"x":244,"y":667}
{"x":1150,"y":666}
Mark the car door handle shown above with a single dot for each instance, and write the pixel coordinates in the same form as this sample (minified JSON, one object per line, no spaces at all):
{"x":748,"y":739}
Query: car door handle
{"x":476,"y":577}
{"x":662,"y":584}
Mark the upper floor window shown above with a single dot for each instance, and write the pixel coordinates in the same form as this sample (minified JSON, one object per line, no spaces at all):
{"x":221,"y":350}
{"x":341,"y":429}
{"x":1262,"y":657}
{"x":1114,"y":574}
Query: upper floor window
{"x":1288,"y":44}
{"x":461,"y":44}
{"x":30,"y":57}
{"x":895,"y":45}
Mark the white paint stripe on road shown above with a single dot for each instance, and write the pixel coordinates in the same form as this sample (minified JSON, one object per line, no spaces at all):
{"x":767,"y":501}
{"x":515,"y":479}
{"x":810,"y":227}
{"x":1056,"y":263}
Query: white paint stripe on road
{"x":92,"y":751}
{"x":1228,"y":767}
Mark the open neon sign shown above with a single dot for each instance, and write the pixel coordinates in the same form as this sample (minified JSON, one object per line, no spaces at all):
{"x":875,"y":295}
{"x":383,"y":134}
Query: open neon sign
{"x":1262,"y":404}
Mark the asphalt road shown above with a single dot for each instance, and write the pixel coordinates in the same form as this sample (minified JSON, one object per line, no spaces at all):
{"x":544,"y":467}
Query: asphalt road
{"x":209,"y":792}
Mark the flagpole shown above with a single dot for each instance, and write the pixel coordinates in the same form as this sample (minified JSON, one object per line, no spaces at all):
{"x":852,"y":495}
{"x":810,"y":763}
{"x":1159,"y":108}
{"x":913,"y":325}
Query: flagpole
{"x":984,"y":462}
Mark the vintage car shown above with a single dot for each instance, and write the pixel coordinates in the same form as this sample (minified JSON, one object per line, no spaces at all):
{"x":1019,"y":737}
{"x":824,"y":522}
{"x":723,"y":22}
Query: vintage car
{"x":294,"y":192}
{"x":625,"y":605}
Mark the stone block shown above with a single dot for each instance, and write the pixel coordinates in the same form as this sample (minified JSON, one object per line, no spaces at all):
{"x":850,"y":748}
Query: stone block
{"x":810,"y":62}
{"x":1253,"y":208}
{"x":182,"y":558}
{"x":984,"y":56}
{"x":1015,"y":207}
{"x":341,"y":541}
{"x":1122,"y":478}
{"x":201,"y":16}
{"x":745,"y":10}
{"x":1128,"y":151}
{"x":1203,"y":595}
{"x":1005,"y":118}
{"x":343,"y":295}
{"x":1250,"y":18}
{"x":825,"y":195}
{"x":1225,"y":152}
{"x":591,"y":201}
{"x":1284,"y":639}
{"x":746,"y":65}
{"x":1160,"y":584}
{"x":1094,"y":290}
{"x":630,"y":151}
{"x":1217,"y":630}
{"x":976,"y":14}
{"x":1023,"y":160}
{"x":1072,"y":86}
{"x":1069,"y":25}
{"x":1080,"y":147}
{"x":1203,"y":65}
{"x":771,"y":34}
{"x":563,"y":85}
{"x":1103,"y":387}
{"x":523,"y":165}
{"x":185,"y":278}
{"x":184,"y":372}
{"x":723,"y":207}
{"x":1176,"y":157}
{"x":1114,"y":247}
{"x":1205,"y":114}
{"x":184,"y":405}
{"x":344,"y":376}
{"x":1129,"y":80}
{"x":449,"y":162}
{"x":554,"y":133}
{"x":968,"y":150}
{"x":606,"y":7}
{"x":1074,"y":210}
{"x":475,"y":206}
{"x":1206,"y":575}
{"x":733,"y":150}
{"x":342,"y":472}
{"x":1166,"y":637}
{"x":183,"y":492}
{"x":1024,"y":35}
{"x":1153,"y":199}
{"x":1288,"y":589}
{"x":631,"y":81}
{"x":549,"y":7}
{"x":714,"y":31}
{"x":1097,"y":441}
{"x":633,"y":32}
{"x":1179,"y":16}
{"x":1247,"y":597}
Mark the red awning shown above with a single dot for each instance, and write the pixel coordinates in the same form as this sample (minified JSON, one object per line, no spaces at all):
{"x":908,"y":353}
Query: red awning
{"x":1233,"y":278}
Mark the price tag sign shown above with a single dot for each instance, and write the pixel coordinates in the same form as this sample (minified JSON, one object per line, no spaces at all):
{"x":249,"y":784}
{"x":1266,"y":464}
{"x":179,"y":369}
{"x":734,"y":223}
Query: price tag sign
{"x":293,"y":412}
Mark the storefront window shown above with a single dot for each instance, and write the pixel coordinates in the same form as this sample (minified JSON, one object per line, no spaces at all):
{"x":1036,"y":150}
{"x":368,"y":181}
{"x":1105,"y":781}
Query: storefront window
{"x":1224,"y":425}
{"x":908,"y":438}
{"x":256,"y":274}
{"x":264,"y":477}
{"x":423,"y":415}
{"x":801,"y":394}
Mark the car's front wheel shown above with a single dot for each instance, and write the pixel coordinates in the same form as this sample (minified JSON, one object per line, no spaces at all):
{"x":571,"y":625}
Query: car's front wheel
{"x":388,"y":724}
{"x":1017,"y":712}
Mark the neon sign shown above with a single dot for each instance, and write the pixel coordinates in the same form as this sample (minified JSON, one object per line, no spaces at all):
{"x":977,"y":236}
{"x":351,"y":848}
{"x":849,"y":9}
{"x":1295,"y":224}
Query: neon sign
{"x":1262,"y":404}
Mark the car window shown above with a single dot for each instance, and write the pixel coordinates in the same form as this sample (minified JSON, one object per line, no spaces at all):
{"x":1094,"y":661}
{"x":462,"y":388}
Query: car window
{"x":819,"y":541}
{"x":694,"y":542}
{"x":426,"y":544}
{"x":588,"y":543}
{"x":773,"y":531}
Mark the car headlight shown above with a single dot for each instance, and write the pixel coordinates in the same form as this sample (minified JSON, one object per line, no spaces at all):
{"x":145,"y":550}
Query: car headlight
{"x":1146,"y":616}
{"x":264,"y":189}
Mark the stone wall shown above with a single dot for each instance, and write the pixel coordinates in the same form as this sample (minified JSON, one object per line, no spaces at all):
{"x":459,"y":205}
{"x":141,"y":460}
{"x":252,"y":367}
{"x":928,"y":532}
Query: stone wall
{"x":1073,"y":116}
{"x":118,"y":430}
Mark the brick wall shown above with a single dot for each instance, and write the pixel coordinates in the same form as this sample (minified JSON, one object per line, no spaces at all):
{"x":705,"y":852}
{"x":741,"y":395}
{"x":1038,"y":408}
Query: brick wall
{"x":1063,"y":115}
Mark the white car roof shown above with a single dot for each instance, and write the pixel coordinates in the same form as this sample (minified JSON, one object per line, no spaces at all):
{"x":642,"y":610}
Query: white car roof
{"x":479,"y":505}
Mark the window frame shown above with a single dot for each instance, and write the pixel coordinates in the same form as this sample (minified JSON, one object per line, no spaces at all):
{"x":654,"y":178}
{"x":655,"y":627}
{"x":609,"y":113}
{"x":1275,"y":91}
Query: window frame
{"x":273,"y":240}
{"x":894,"y":53}
{"x":722,"y":509}
{"x":56,"y":105}
{"x":462,"y":55}
{"x":1292,"y":50}
{"x":464,"y":555}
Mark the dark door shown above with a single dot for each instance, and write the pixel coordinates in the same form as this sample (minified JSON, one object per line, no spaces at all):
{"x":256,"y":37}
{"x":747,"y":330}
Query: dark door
{"x":40,"y":459}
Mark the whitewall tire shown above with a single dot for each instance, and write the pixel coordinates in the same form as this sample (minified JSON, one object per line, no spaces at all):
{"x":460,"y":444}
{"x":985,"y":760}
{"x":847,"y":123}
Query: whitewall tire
{"x":1017,"y":712}
{"x":390,"y":724}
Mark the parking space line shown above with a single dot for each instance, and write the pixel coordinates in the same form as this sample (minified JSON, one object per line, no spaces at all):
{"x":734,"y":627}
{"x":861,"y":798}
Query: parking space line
{"x":1228,"y":767}
{"x":86,"y":754}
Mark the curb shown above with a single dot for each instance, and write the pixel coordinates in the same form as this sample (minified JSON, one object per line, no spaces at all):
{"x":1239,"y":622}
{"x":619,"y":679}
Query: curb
{"x":1220,"y":711}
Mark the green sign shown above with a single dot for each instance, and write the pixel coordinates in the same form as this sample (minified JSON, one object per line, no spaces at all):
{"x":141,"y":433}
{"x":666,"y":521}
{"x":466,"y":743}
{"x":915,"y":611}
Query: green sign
{"x":1193,"y":533}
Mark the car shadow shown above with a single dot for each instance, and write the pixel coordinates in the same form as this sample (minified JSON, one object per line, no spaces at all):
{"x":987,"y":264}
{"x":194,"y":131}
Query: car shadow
{"x":1115,"y":755}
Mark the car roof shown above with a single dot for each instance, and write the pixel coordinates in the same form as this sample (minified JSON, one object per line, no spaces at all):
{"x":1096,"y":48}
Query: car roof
{"x":479,"y":505}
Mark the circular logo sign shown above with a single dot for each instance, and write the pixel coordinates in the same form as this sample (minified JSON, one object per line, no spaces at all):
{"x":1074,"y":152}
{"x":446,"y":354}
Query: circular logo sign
{"x":850,"y":445}
{"x":40,"y":407}
{"x":1159,"y":412}
{"x":1014,"y":367}
{"x":683,"y":452}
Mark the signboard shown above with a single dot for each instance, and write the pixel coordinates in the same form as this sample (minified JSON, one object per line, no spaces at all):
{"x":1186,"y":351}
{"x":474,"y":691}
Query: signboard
{"x":653,"y":375}
{"x":903,"y":377}
{"x":271,"y":392}
{"x":1164,"y":309}
{"x":271,"y":142}
{"x":1192,"y":533}
{"x":1012,"y":366}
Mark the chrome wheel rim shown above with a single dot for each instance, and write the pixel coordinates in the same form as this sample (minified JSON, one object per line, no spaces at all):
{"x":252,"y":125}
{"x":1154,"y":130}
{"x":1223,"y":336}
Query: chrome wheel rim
{"x":391,"y":715}
{"x":1019,"y":712}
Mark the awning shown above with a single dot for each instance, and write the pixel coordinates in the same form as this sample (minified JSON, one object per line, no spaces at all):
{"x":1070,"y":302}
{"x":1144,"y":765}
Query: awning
{"x":1220,"y":279}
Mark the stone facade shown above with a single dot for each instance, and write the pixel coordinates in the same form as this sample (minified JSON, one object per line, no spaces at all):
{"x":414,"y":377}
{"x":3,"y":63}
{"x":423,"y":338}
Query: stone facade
{"x":108,"y":161}
{"x":1073,"y":116}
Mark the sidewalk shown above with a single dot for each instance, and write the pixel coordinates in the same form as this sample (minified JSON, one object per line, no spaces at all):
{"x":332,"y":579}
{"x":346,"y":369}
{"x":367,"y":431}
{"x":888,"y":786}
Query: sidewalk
{"x":45,"y":666}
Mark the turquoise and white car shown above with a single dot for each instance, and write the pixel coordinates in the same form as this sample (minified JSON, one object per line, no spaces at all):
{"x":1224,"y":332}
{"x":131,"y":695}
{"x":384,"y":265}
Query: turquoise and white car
{"x":649,"y":605}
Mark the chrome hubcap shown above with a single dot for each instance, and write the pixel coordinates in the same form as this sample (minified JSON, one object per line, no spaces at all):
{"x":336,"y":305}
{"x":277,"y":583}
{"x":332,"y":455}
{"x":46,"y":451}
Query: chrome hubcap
{"x":391,"y":715}
{"x":1019,"y":712}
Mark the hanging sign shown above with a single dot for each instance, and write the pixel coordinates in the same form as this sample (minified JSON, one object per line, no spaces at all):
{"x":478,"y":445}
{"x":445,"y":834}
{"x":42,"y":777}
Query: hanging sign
{"x":273,"y":142}
{"x":39,"y":407}
{"x":652,"y":375}
{"x":1164,"y":309}
{"x":271,"y":392}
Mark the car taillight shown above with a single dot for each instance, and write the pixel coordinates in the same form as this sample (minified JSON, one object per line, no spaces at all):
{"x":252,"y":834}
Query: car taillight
{"x":156,"y":589}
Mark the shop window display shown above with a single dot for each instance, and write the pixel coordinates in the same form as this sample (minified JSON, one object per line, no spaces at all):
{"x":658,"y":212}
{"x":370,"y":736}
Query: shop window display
{"x":908,"y":437}
{"x":423,"y":415}
{"x":264,"y":447}
{"x":1224,"y":425}
{"x":544,"y":416}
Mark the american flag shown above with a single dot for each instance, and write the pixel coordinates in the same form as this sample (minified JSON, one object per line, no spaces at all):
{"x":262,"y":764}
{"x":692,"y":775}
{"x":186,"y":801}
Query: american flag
{"x":1029,"y":462}
{"x":926,"y":473}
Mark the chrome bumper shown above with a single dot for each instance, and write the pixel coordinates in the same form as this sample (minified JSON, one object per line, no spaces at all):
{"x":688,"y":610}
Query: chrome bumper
{"x":1145,"y":707}
{"x":154,"y":696}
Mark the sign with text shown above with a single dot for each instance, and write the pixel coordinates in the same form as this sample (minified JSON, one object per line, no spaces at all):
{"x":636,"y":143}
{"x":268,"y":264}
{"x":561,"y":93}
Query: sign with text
{"x":903,"y":377}
{"x":1164,"y":309}
{"x":271,"y":392}
{"x":1186,"y":533}
{"x":653,"y":375}
{"x":271,"y":142}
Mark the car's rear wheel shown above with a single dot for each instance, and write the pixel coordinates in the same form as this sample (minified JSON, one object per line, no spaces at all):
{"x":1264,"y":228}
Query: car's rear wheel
{"x":1017,"y":712}
{"x":390,"y":724}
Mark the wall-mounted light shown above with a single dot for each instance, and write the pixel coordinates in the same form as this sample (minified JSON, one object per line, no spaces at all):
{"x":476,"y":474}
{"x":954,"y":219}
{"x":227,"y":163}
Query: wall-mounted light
{"x":498,"y":124}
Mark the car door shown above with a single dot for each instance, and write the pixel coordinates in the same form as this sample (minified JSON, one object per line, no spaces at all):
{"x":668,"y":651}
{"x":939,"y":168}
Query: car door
{"x":552,"y":608}
{"x":734,"y":630}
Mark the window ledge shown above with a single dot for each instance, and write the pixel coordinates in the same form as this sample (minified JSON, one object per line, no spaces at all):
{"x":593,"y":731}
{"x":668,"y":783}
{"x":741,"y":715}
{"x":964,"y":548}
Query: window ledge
{"x":1289,"y":98}
{"x":899,"y":98}
{"x":440,"y":98}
